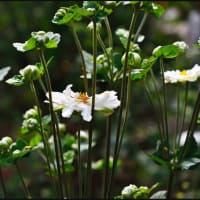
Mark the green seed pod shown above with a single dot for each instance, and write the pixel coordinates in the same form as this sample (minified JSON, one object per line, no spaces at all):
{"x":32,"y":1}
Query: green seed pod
{"x":30,"y":72}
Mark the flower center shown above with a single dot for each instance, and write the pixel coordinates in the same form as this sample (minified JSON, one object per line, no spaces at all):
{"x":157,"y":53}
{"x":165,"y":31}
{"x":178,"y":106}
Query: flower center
{"x":83,"y":97}
{"x":183,"y":73}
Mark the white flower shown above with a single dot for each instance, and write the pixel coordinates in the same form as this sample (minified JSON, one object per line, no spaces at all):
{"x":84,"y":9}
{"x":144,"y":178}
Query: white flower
{"x":190,"y":75}
{"x":182,"y":45}
{"x":70,"y":101}
{"x":128,"y":190}
{"x":106,"y":101}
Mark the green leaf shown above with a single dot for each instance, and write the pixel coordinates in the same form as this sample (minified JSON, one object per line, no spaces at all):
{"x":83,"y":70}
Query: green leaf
{"x":168,"y":51}
{"x":16,"y":80}
{"x":35,"y":140}
{"x":6,"y":159}
{"x":162,"y":194}
{"x":46,"y":120}
{"x":69,"y":156}
{"x":65,"y":15}
{"x":153,"y":8}
{"x":3,"y":72}
{"x":30,"y":44}
{"x":190,"y":163}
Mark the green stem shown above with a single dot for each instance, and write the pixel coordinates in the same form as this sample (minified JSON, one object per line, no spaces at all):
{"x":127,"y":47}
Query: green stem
{"x":162,"y":133}
{"x":3,"y":184}
{"x":123,"y":98}
{"x":107,"y":156}
{"x":156,"y":113}
{"x":25,"y":188}
{"x":191,"y":128}
{"x":140,"y":26}
{"x":177,"y":116}
{"x":184,"y":111}
{"x":44,"y":139}
{"x":108,"y":57}
{"x":42,"y":85}
{"x":89,"y":159}
{"x":53,"y":120}
{"x":170,"y":184}
{"x":79,"y":47}
{"x":110,"y":41}
{"x":79,"y":165}
{"x":164,"y":102}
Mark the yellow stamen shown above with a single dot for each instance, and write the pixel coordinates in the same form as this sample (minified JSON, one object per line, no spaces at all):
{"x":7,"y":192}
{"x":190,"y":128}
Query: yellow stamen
{"x":183,"y":73}
{"x":83,"y":97}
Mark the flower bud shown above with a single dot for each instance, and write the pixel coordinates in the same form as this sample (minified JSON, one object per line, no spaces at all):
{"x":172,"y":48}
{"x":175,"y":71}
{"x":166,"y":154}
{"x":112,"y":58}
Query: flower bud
{"x":7,"y":140}
{"x":62,"y":128}
{"x":134,"y":59}
{"x":91,"y":26}
{"x":181,"y":45}
{"x":30,"y":72}
{"x":30,"y":123}
{"x":3,"y":144}
{"x":31,"y":113}
{"x":128,"y":191}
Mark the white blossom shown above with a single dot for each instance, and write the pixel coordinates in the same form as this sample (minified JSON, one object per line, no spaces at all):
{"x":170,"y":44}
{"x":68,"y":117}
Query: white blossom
{"x":69,"y":101}
{"x":175,"y":76}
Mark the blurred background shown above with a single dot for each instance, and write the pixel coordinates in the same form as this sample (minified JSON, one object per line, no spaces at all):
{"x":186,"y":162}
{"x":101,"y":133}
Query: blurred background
{"x":18,"y":19}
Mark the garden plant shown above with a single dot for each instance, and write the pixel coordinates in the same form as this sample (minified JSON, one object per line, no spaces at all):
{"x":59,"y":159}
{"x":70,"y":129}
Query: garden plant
{"x":76,"y":165}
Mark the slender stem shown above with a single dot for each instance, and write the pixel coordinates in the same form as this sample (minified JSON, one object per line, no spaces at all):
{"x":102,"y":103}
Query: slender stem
{"x":79,"y":165}
{"x":177,"y":116}
{"x":3,"y":184}
{"x":44,"y":139}
{"x":89,"y":159}
{"x":42,"y":85}
{"x":164,"y":102}
{"x":122,"y":97}
{"x":53,"y":120}
{"x":156,"y":113}
{"x":110,"y":41}
{"x":78,"y":44}
{"x":107,"y":156}
{"x":162,"y":133}
{"x":184,"y":111}
{"x":140,"y":26}
{"x":191,"y":128}
{"x":106,"y":53}
{"x":25,"y":188}
{"x":170,"y":183}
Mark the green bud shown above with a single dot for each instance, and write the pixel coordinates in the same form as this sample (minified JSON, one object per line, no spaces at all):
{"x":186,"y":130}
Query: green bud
{"x":30,"y":72}
{"x":7,"y":140}
{"x":30,"y":123}
{"x":62,"y":128}
{"x":134,"y":59}
{"x":3,"y":144}
{"x":31,"y":113}
{"x":61,"y":12}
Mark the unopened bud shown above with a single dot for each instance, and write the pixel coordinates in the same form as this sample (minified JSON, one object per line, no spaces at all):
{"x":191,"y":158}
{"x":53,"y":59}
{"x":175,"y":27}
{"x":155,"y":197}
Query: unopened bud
{"x":30,"y":72}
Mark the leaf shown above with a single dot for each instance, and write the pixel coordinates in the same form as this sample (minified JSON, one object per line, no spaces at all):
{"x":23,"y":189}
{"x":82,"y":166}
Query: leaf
{"x":16,"y":80}
{"x":162,"y":194}
{"x":168,"y":51}
{"x":35,"y":140}
{"x":69,"y":156}
{"x":3,"y":72}
{"x":190,"y":163}
{"x":154,"y":8}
